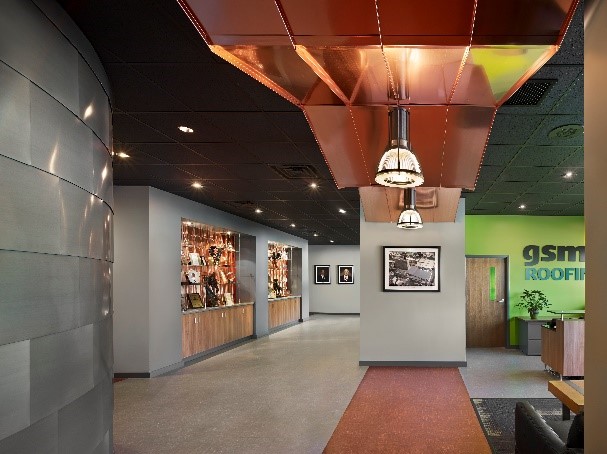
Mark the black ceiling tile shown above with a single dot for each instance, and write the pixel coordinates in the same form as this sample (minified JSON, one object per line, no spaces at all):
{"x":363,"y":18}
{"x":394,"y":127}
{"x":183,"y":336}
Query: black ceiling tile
{"x":551,"y":122}
{"x":509,"y":187}
{"x":168,"y":123}
{"x":490,"y":173}
{"x":571,"y":51}
{"x":136,"y":156}
{"x":311,"y":150}
{"x":276,"y":153}
{"x":551,"y":187}
{"x":562,"y":76}
{"x":493,"y":207}
{"x":252,"y":171}
{"x":264,"y":98}
{"x":568,"y":198}
{"x":129,"y":130}
{"x":552,"y":206}
{"x":293,"y":124}
{"x":542,"y":155}
{"x":169,"y":153}
{"x":577,"y":188}
{"x":535,"y":198}
{"x":247,"y":126}
{"x":574,"y":210}
{"x":547,"y":213}
{"x":575,"y":159}
{"x":208,"y":172}
{"x":497,"y":197}
{"x":499,"y":155}
{"x":133,"y":92}
{"x":532,"y":174}
{"x":559,"y":174}
{"x":572,"y":102}
{"x":198,"y":86}
{"x":144,"y":172}
{"x":513,"y":129}
{"x":291,"y":195}
{"x":224,"y":153}
{"x":481,"y":212}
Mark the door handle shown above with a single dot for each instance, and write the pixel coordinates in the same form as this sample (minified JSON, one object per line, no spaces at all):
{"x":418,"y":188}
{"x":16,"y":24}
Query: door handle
{"x":500,"y":301}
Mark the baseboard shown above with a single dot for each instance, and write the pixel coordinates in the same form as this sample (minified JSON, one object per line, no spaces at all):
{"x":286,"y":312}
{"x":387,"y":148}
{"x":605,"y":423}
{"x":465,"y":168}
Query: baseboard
{"x":285,"y":326}
{"x":415,"y":363}
{"x":335,"y":313}
{"x":512,"y":347}
{"x":167,"y":369}
{"x":259,"y":336}
{"x":131,"y":375}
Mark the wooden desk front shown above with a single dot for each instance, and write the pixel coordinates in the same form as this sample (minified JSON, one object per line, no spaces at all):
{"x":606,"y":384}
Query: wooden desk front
{"x":563,"y":347}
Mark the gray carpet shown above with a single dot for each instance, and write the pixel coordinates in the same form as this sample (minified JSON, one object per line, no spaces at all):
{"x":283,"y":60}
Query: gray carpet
{"x":497,"y":419}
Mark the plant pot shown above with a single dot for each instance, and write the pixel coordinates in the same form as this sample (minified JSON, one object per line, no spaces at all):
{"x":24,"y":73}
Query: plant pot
{"x":533,"y":314}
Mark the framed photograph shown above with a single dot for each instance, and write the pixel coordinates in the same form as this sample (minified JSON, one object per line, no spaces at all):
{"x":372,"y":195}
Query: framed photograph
{"x":345,"y":274}
{"x":321,"y":274}
{"x":411,"y":269}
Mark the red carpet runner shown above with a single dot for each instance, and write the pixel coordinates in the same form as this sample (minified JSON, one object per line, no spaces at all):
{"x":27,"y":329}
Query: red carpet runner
{"x":409,"y":410}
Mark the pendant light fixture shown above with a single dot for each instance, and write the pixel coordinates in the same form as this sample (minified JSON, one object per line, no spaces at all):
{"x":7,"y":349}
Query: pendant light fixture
{"x":399,"y":167}
{"x":410,"y":217}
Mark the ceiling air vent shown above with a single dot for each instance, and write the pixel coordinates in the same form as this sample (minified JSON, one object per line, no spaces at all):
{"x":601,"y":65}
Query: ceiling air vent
{"x":531,"y":93}
{"x":242,"y":203}
{"x":295,"y":171}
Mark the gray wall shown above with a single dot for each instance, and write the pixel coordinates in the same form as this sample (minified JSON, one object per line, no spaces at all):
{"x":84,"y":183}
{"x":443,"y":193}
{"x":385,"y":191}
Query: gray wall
{"x":595,"y":167}
{"x":55,"y":236}
{"x":407,"y":327}
{"x":335,"y":298}
{"x":161,"y":272}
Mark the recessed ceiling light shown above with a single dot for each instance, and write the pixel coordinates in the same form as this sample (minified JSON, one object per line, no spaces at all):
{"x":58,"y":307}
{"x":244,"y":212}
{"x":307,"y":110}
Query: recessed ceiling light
{"x":185,"y":129}
{"x":568,"y":174}
{"x":196,"y":185}
{"x":257,"y":210}
{"x":522,"y":206}
{"x":313,"y":185}
{"x":316,"y":234}
{"x":331,"y":241}
{"x":292,"y":225}
{"x":342,"y":211}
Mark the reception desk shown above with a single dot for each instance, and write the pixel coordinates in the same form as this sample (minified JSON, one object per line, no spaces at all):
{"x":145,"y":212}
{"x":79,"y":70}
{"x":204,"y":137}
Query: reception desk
{"x":283,"y":311}
{"x":563,"y":347}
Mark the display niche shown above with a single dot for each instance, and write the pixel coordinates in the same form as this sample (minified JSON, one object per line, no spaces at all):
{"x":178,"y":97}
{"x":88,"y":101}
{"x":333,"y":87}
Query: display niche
{"x":279,"y":270}
{"x":209,"y":266}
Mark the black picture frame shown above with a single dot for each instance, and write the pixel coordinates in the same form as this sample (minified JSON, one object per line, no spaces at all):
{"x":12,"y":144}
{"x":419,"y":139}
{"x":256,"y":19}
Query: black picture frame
{"x":411,"y":269}
{"x":345,"y":274}
{"x":322,"y":274}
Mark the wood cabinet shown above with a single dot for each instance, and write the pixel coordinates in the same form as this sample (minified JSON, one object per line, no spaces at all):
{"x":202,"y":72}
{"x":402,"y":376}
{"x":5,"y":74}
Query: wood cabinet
{"x":207,"y":329}
{"x":283,"y":310}
{"x":563,"y":347}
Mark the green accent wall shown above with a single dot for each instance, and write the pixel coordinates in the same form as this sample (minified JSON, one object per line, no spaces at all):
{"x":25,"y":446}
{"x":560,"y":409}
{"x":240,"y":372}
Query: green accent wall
{"x":508,"y":235}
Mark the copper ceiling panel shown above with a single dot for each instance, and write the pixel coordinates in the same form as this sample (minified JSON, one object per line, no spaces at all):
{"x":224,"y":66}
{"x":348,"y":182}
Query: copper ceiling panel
{"x":439,"y":22}
{"x":381,"y":204}
{"x":468,"y":130}
{"x":521,"y":22}
{"x":338,"y":140}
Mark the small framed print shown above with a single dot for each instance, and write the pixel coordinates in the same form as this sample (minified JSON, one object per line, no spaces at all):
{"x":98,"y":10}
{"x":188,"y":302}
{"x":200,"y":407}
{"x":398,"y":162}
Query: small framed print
{"x":345,"y":274}
{"x":321,"y":274}
{"x":411,"y":269}
{"x":195,"y":300}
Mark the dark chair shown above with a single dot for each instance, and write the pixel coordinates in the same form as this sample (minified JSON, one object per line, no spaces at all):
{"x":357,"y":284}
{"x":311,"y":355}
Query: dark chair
{"x":534,"y":435}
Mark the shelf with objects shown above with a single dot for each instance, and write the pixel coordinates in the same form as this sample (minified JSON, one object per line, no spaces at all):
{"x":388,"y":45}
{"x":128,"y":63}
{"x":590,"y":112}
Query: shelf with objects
{"x":217,"y":289}
{"x":284,"y":285}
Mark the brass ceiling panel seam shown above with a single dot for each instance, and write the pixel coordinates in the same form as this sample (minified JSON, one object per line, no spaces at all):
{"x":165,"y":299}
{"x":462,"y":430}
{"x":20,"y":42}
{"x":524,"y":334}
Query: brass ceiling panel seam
{"x":194,"y":19}
{"x":283,"y":16}
{"x":478,"y":172}
{"x":360,"y":146}
{"x":320,"y":147}
{"x":567,"y":23}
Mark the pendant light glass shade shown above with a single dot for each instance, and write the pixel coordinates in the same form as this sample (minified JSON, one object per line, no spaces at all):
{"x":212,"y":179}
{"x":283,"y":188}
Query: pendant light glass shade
{"x":410,"y":217}
{"x":399,"y":167}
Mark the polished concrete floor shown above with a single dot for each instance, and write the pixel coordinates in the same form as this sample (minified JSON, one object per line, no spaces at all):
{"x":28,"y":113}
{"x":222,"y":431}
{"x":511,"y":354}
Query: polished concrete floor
{"x":280,"y":394}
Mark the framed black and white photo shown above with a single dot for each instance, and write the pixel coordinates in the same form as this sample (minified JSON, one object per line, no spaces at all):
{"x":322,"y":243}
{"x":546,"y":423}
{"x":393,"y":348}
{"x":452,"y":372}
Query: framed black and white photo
{"x":345,"y":274}
{"x":411,"y":269}
{"x":321,"y":274}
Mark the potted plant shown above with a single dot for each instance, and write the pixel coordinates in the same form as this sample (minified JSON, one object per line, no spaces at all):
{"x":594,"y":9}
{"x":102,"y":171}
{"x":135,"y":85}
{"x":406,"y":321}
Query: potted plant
{"x":533,"y":301}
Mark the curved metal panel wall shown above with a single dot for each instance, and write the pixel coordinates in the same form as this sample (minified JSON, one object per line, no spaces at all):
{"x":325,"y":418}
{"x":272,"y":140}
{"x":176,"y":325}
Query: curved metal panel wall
{"x":56,"y":239}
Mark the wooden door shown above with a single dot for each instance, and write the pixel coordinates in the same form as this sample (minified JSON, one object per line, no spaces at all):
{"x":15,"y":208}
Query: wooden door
{"x":485,"y":312}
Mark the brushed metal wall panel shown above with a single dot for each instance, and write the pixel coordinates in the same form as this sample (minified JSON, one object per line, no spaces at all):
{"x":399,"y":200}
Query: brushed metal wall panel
{"x":30,"y":208}
{"x":94,"y":106}
{"x":103,"y":172}
{"x":102,"y":347}
{"x":81,"y":423}
{"x":41,"y":437}
{"x":31,"y":44}
{"x":14,"y":115}
{"x":107,"y":392}
{"x":38,"y":295}
{"x":104,"y":446}
{"x":83,"y":222}
{"x":61,"y":370}
{"x":95,"y":290}
{"x":61,"y":143}
{"x":14,"y":387}
{"x":64,"y":22}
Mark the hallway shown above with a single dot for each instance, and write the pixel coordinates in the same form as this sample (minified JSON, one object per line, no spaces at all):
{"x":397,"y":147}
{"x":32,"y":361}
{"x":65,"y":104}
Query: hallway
{"x":281,"y":394}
